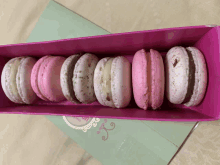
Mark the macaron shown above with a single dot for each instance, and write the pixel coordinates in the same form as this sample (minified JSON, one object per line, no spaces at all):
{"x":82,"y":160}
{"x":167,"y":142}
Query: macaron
{"x":45,"y":78}
{"x":112,"y":82}
{"x":66,"y":75}
{"x":186,"y":76}
{"x":83,"y":75}
{"x":148,"y":79}
{"x":16,"y":80}
{"x":34,"y":78}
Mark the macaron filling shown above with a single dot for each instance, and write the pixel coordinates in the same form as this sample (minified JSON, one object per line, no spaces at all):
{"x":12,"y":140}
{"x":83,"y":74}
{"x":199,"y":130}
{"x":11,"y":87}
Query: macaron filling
{"x":106,"y":80}
{"x":18,"y":80}
{"x":191,"y":77}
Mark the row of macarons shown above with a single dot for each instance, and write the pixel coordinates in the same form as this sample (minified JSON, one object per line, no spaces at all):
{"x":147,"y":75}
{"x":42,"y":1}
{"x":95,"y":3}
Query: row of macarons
{"x":83,"y":79}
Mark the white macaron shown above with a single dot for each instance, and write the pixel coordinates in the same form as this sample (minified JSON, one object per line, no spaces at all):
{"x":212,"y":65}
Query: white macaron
{"x":16,"y":80}
{"x":186,"y":76}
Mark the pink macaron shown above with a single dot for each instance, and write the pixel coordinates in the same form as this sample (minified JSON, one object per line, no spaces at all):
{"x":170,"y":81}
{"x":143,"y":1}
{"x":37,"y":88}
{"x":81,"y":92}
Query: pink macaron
{"x":34,"y":78}
{"x":186,"y":76}
{"x":148,"y":79}
{"x":45,"y":78}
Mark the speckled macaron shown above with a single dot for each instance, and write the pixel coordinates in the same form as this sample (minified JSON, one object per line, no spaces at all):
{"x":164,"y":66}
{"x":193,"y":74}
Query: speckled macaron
{"x":66,"y":75}
{"x":186,"y":75}
{"x":83,"y":78}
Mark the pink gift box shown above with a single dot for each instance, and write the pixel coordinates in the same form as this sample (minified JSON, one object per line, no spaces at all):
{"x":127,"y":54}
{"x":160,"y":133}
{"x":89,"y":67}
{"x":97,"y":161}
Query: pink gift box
{"x":205,"y":38}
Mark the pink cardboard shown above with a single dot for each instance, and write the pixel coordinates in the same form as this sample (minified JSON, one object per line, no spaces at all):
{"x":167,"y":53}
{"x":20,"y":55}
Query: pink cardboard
{"x":205,"y":38}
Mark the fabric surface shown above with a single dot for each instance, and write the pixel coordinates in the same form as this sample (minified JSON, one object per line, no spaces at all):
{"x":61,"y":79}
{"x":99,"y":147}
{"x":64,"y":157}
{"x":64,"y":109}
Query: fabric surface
{"x":26,"y":139}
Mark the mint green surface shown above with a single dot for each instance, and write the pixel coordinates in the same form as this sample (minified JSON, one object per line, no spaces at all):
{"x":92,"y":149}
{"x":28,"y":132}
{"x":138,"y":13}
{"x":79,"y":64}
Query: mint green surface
{"x":132,"y":141}
{"x":58,"y":22}
{"x":175,"y":132}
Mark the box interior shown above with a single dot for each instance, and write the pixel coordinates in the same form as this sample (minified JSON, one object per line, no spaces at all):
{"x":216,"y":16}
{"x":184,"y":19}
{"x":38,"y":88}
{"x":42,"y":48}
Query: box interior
{"x":126,"y":44}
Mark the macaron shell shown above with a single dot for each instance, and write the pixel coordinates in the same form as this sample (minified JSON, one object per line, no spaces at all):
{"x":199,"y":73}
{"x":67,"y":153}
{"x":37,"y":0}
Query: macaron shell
{"x":139,"y":79}
{"x":106,"y":92}
{"x":23,"y":80}
{"x":66,"y":75}
{"x":5,"y":81}
{"x":83,"y":78}
{"x":41,"y":71}
{"x":98,"y":80}
{"x":34,"y":78}
{"x":9,"y":76}
{"x":157,"y":79}
{"x":121,"y":81}
{"x":177,"y":71}
{"x":49,"y":78}
{"x":200,"y":77}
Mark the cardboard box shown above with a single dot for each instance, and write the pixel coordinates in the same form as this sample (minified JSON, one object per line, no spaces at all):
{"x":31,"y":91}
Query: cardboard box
{"x":128,"y":141}
{"x":204,"y":38}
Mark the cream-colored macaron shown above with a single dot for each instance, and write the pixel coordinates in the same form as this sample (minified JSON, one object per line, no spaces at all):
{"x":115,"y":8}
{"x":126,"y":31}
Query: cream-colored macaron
{"x":112,"y":82}
{"x":16,"y":80}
